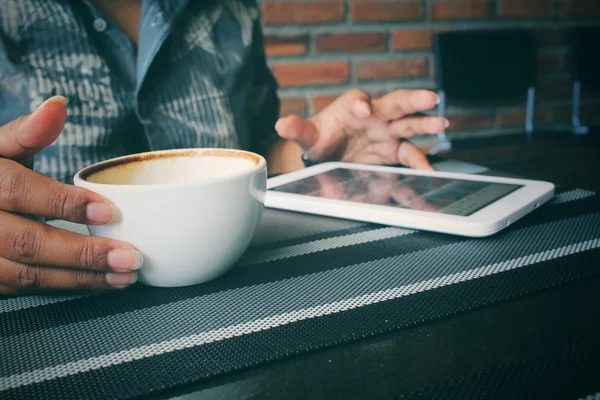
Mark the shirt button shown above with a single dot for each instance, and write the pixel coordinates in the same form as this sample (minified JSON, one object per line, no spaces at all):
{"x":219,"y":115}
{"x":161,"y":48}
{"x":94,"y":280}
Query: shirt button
{"x":157,"y":20}
{"x":100,"y":25}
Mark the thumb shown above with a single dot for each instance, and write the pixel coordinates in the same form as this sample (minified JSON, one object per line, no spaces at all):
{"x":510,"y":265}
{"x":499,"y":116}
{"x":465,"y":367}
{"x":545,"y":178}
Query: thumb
{"x":27,"y":135}
{"x":302,"y":131}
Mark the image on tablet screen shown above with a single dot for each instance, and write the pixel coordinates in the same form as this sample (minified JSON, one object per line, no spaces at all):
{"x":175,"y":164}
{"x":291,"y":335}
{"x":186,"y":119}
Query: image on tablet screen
{"x":423,"y":193}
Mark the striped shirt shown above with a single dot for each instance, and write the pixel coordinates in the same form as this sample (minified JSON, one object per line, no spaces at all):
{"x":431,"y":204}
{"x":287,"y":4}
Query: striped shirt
{"x":197,"y":78}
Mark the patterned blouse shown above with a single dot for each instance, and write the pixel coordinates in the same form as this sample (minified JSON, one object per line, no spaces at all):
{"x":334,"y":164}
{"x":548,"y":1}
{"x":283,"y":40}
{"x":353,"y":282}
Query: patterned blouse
{"x":197,"y":78}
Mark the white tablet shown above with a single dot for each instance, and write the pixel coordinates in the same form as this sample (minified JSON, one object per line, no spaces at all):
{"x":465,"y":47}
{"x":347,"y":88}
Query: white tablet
{"x":460,"y":204}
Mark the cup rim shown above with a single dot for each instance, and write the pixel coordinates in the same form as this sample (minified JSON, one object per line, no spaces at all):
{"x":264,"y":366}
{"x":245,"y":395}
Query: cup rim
{"x":80,"y":178}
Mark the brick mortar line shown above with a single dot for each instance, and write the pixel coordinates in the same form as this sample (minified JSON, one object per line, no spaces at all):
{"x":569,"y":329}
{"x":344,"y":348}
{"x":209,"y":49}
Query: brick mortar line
{"x":370,"y":86}
{"x":360,"y":27}
{"x":554,"y":7}
{"x":345,"y":54}
{"x":347,"y":13}
{"x":311,"y":49}
{"x":352,"y":70}
{"x":350,"y":57}
{"x":426,"y":10}
{"x":404,"y":82}
{"x":408,"y":82}
{"x":462,"y":109}
{"x":557,"y":50}
{"x":313,"y":54}
{"x":390,"y":41}
{"x":496,"y":10}
{"x":382,"y":86}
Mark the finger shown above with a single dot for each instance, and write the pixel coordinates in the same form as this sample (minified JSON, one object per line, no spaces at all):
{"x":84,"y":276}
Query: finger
{"x":356,"y":187}
{"x":408,"y":198}
{"x":27,"y":135}
{"x":361,"y":108}
{"x":387,"y":176}
{"x":404,"y":196}
{"x":352,"y":105}
{"x":354,"y":102}
{"x":23,"y":278}
{"x":379,"y":153}
{"x":411,"y":156}
{"x":381,"y":183}
{"x":5,"y":290}
{"x":330,"y":187}
{"x":31,"y":242}
{"x":27,"y":192}
{"x":400,"y":103}
{"x":410,"y":126}
{"x":380,"y":190}
{"x":302,"y":131}
{"x":427,"y":206}
{"x":417,"y":204}
{"x":357,"y":101}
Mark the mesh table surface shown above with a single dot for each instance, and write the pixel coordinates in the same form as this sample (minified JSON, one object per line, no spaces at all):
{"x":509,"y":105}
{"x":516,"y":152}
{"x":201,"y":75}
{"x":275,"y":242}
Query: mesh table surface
{"x":306,"y":283}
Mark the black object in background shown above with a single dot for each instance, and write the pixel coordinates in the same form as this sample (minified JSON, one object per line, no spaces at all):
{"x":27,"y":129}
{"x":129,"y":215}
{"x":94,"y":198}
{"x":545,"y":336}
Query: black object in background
{"x":485,"y":65}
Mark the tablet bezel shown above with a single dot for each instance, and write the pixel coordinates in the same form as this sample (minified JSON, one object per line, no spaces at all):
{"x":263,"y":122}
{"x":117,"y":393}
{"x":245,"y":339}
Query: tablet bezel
{"x":484,"y":222}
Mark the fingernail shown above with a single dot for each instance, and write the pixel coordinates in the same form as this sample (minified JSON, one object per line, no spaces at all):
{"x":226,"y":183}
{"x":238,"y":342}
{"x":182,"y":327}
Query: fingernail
{"x":363,"y":109}
{"x":278,"y":124}
{"x":123,"y":260}
{"x":120,"y":281}
{"x":446,"y":122}
{"x":99,"y":213}
{"x":59,"y":99}
{"x":438,"y":100}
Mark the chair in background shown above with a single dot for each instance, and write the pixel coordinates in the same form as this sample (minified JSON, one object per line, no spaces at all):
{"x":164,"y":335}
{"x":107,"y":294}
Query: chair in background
{"x":487,"y":66}
{"x":585,"y":69}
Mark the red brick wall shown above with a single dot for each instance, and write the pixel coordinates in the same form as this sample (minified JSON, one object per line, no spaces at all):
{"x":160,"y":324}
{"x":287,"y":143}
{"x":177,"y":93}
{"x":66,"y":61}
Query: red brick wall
{"x":320,"y":48}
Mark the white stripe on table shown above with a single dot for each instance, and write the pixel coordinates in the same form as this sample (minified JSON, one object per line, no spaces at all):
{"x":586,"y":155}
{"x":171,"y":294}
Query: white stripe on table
{"x":125,"y":356}
{"x":323,"y":244}
{"x":24,"y":302}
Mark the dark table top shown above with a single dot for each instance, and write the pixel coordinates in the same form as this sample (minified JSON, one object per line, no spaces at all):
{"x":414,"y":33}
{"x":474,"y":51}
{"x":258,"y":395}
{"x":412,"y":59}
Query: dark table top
{"x":455,"y":349}
{"x":390,"y":365}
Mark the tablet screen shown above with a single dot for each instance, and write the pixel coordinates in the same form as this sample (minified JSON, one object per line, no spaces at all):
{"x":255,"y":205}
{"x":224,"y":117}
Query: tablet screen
{"x":442,"y":195}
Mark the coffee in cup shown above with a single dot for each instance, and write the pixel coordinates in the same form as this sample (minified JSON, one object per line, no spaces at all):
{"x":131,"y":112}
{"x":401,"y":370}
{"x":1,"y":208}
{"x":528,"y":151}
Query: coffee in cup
{"x":190,"y":212}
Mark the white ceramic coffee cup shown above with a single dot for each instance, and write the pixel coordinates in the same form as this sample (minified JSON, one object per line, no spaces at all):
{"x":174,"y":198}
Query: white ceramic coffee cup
{"x":191,"y":212}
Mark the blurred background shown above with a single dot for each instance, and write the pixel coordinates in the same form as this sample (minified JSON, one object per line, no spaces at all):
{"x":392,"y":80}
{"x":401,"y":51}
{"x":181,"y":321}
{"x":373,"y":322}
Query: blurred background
{"x":319,"y":49}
